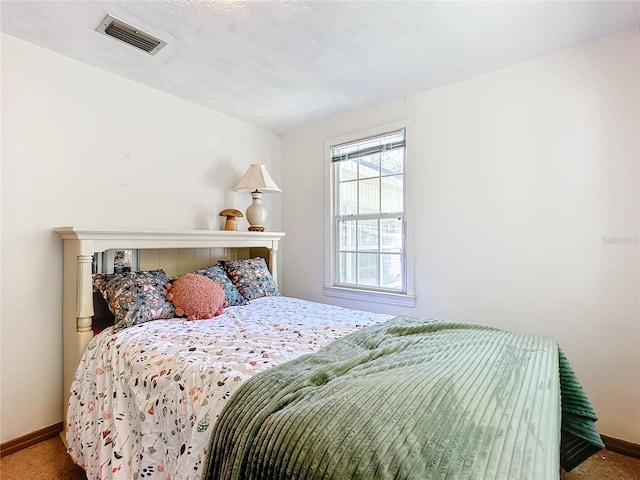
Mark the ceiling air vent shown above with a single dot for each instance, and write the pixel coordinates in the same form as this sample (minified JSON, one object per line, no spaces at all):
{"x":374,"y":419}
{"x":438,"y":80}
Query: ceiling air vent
{"x":116,"y":28}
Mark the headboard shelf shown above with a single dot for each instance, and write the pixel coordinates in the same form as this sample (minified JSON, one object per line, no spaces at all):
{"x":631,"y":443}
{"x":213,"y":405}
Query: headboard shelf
{"x":105,"y":239}
{"x":81,"y":243}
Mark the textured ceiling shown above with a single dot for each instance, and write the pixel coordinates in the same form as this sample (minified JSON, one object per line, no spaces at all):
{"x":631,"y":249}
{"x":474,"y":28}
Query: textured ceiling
{"x":281,"y":64}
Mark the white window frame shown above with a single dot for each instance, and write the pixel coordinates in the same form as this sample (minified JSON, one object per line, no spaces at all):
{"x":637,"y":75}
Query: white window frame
{"x":406,"y":299}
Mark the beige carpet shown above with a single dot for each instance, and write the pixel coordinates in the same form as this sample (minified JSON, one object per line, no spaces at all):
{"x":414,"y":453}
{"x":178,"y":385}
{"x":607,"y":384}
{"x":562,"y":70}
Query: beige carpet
{"x":49,"y":461}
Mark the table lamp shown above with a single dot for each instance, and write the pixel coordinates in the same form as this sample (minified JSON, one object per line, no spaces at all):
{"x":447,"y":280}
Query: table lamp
{"x":257,"y":180}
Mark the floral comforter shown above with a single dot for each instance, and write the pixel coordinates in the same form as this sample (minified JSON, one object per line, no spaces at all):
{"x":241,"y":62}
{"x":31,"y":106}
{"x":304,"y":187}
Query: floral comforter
{"x":144,"y":399}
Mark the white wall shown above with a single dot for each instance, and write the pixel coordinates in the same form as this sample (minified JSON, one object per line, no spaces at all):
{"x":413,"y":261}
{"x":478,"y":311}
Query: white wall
{"x":518,"y":175}
{"x":83,"y":147}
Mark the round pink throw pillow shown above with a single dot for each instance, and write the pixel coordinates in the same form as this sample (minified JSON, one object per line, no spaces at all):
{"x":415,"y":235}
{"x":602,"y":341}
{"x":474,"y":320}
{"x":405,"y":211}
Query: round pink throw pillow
{"x":196,"y":296}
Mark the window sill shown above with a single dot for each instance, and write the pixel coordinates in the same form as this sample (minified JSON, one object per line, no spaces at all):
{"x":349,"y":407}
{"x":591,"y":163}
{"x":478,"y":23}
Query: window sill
{"x":398,"y":299}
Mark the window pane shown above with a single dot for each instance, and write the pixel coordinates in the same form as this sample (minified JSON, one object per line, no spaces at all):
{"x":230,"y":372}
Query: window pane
{"x":368,"y":271}
{"x":392,"y":161}
{"x":392,"y":194}
{"x":369,"y":195}
{"x":347,"y":170}
{"x":391,"y":235}
{"x":348,"y":268}
{"x":368,"y":235}
{"x":348,"y":198}
{"x":347,"y":235}
{"x":370,"y":166}
{"x":391,"y":271}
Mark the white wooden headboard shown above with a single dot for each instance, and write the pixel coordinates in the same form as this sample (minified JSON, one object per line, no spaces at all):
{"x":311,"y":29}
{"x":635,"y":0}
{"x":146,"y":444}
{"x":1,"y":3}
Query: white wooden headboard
{"x":80,"y":244}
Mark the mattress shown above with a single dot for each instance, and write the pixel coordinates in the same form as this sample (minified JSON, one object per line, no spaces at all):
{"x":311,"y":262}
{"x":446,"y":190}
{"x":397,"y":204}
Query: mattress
{"x":143,"y":400}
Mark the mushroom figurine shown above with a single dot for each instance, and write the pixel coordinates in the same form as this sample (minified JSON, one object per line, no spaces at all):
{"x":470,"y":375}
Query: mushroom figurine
{"x":231,"y":214}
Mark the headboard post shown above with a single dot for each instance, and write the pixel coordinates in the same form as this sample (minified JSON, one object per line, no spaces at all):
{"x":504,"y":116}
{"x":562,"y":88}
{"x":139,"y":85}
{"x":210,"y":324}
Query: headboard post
{"x":77,"y":307}
{"x":84,"y":296}
{"x":273,"y":262}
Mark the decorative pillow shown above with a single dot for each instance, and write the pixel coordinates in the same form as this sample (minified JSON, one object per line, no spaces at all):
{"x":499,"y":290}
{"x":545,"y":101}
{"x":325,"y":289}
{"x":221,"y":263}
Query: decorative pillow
{"x":196,"y":296}
{"x":218,"y":275}
{"x":135,"y":297}
{"x":251,"y":277}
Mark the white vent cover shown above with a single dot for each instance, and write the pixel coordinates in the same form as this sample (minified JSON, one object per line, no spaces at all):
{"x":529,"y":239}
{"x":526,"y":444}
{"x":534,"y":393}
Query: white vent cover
{"x":120,"y":30}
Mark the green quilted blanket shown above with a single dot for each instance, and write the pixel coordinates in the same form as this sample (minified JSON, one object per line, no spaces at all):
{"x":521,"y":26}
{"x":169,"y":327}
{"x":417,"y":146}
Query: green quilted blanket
{"x":410,"y":399}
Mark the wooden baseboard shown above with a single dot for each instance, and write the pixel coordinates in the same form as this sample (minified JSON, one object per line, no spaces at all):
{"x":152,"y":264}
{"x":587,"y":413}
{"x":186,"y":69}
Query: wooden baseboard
{"x":32,"y":438}
{"x":621,"y":446}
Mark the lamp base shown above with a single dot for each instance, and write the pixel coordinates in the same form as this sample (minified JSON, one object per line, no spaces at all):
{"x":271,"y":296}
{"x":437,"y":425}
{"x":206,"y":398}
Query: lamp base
{"x":256,"y":212}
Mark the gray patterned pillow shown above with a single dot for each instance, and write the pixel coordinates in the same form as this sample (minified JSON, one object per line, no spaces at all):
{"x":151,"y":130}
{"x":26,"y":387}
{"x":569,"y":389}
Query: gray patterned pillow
{"x":135,"y":297}
{"x":251,"y":277}
{"x":218,"y":275}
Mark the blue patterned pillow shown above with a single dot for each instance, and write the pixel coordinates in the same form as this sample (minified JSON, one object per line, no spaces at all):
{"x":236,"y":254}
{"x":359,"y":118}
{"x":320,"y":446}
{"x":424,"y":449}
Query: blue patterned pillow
{"x":251,"y":277}
{"x":218,"y":275}
{"x":135,"y":297}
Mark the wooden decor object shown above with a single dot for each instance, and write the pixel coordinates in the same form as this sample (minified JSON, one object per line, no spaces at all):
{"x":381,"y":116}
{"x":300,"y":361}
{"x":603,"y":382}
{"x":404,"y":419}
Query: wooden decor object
{"x":231,"y":214}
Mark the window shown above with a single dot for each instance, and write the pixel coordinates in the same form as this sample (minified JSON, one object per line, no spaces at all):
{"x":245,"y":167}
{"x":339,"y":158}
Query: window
{"x":368,"y":226}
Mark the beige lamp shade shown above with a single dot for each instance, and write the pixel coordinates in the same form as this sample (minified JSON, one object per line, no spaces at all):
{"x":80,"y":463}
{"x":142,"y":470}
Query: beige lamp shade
{"x":257,"y":180}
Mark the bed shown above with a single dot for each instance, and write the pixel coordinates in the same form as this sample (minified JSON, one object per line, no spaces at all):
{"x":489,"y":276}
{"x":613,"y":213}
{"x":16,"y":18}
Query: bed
{"x":284,"y":388}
